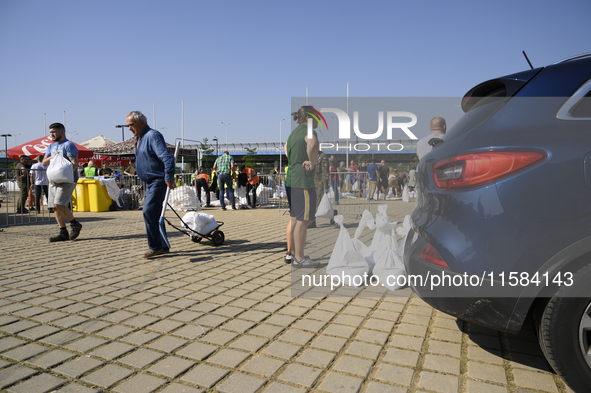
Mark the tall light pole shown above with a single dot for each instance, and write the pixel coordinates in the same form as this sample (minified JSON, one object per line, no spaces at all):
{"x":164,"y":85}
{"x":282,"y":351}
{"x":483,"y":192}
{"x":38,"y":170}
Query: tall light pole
{"x":122,"y":126}
{"x":5,"y":150}
{"x":217,"y":153}
{"x":280,"y":145}
{"x":226,"y":134}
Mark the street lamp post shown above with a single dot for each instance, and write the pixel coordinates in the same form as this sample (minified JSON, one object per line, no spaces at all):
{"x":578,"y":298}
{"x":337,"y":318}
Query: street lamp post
{"x":217,"y":153}
{"x":280,"y":145}
{"x":122,"y":126}
{"x":226,"y":133}
{"x":5,"y":150}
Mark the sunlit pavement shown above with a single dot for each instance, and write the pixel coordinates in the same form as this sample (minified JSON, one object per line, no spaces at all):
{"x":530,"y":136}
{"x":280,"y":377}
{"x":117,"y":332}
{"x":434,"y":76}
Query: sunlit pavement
{"x":92,"y":315}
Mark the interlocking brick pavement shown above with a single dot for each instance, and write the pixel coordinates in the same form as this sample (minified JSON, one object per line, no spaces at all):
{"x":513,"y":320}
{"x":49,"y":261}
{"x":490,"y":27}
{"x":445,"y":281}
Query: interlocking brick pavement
{"x":92,"y":315}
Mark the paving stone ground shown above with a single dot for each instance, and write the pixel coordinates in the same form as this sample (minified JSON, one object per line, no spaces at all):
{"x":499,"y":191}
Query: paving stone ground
{"x":91,"y":315}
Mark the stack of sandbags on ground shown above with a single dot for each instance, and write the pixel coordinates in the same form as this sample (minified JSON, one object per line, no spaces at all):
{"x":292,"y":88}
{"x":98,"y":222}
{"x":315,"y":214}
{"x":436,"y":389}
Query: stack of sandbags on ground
{"x":351,"y":257}
{"x":201,"y":223}
{"x":345,"y":262}
{"x":184,"y":198}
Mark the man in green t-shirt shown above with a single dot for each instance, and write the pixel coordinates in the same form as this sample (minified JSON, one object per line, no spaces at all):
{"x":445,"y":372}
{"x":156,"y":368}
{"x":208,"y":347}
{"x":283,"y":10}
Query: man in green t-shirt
{"x":302,"y":153}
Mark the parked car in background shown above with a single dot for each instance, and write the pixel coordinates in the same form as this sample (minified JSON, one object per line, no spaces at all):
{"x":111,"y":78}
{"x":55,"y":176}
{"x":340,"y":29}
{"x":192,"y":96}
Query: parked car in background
{"x":504,"y":199}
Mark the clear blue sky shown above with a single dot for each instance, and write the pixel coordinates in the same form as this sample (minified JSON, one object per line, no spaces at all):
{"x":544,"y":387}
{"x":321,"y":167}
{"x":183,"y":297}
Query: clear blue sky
{"x":240,"y":62}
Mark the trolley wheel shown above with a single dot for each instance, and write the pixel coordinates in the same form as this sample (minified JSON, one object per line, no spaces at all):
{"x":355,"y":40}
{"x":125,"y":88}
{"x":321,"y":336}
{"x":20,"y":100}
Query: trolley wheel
{"x":196,"y":239}
{"x":218,"y":238}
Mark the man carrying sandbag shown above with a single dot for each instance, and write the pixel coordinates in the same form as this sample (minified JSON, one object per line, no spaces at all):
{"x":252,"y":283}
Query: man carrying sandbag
{"x":60,"y":193}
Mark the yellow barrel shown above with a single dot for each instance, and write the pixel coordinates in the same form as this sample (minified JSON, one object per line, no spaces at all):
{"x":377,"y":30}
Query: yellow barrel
{"x":80,"y":199}
{"x":98,"y":196}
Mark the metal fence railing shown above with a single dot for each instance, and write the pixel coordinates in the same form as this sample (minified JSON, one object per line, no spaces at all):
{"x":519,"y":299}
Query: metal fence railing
{"x":21,"y":202}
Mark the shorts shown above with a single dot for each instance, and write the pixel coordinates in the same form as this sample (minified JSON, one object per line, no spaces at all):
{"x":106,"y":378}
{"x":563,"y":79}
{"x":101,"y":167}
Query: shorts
{"x":302,"y":203}
{"x":60,"y":194}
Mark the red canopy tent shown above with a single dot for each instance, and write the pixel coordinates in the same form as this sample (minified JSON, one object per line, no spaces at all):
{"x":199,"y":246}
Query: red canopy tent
{"x":39,"y":146}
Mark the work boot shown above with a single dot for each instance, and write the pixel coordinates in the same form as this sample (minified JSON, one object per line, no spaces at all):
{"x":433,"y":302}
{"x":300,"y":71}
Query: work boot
{"x":60,"y":237}
{"x":75,"y":228}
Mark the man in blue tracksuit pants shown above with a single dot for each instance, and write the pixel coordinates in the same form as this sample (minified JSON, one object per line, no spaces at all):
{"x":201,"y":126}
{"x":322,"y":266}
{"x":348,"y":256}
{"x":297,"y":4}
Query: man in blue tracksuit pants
{"x":155,"y":165}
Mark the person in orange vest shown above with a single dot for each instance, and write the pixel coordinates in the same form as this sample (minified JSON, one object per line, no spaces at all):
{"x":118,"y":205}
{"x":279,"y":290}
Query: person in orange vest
{"x":251,"y":184}
{"x":202,"y":181}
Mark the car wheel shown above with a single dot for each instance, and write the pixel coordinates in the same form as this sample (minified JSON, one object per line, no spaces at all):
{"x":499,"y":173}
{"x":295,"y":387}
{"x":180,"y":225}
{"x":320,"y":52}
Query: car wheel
{"x":564,"y":331}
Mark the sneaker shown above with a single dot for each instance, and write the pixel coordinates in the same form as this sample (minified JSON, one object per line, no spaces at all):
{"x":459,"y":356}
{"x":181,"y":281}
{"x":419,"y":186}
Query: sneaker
{"x":306,"y":262}
{"x":60,"y":237}
{"x":153,"y":253}
{"x":312,"y":224}
{"x":234,"y":208}
{"x":288,"y":258}
{"x":223,"y":208}
{"x":75,"y":230}
{"x":253,"y":206}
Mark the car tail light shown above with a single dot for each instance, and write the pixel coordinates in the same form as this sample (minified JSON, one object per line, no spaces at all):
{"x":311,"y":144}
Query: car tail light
{"x":430,"y":254}
{"x":473,"y":169}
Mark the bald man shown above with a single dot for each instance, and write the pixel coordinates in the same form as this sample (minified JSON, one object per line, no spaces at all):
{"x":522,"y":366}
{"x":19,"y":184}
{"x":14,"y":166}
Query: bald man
{"x":438,"y":129}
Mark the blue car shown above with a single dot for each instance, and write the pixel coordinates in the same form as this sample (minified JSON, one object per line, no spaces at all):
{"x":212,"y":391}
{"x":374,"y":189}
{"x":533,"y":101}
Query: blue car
{"x":502,"y":231}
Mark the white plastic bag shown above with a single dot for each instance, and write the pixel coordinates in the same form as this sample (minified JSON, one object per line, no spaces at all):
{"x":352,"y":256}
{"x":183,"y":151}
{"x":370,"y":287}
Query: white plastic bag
{"x":112,"y":189}
{"x":405,"y":195}
{"x":184,"y":198}
{"x":356,"y":186}
{"x":325,"y":208}
{"x":60,"y":170}
{"x":200,"y":222}
{"x":403,"y":230}
{"x":345,"y":262}
{"x":240,"y":196}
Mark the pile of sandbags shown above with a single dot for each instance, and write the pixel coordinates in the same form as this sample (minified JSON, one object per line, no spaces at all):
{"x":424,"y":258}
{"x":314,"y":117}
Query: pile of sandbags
{"x":352,"y":261}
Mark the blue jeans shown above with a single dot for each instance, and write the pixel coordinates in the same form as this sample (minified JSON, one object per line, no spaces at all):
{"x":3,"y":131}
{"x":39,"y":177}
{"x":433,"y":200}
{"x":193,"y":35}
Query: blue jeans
{"x":152,"y":209}
{"x":333,"y":183}
{"x":227,"y":181}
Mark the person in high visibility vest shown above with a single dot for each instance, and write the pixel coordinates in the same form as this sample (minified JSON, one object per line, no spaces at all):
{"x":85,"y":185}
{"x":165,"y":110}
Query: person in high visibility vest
{"x":214,"y":184}
{"x":90,"y":170}
{"x":252,"y":183}
{"x":202,"y":181}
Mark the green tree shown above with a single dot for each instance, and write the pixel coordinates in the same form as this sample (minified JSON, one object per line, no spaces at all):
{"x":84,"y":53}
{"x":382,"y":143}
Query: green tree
{"x":250,"y":158}
{"x":206,"y":150}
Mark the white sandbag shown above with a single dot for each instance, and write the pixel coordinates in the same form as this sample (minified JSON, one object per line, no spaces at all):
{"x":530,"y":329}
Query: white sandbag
{"x":405,"y":196}
{"x":264,"y":192}
{"x":60,"y":170}
{"x":200,"y":222}
{"x":345,"y":262}
{"x":388,"y":268}
{"x":184,"y":198}
{"x":366,"y":221}
{"x":325,"y":208}
{"x":240,"y":196}
{"x":402,"y":231}
{"x":388,"y":264}
{"x":400,"y":249}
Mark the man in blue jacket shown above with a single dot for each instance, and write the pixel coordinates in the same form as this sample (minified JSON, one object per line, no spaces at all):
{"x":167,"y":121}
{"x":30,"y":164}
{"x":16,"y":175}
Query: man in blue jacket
{"x":155,"y":165}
